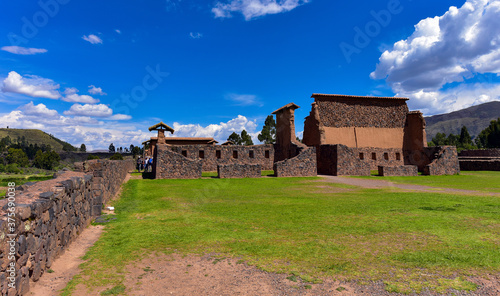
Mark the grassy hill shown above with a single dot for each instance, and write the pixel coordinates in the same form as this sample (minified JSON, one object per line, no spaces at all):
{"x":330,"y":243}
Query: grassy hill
{"x":475,"y":118}
{"x":33,"y":136}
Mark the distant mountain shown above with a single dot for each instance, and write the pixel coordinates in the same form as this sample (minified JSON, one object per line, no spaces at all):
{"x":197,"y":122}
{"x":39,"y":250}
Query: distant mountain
{"x":33,"y":136}
{"x":475,"y":118}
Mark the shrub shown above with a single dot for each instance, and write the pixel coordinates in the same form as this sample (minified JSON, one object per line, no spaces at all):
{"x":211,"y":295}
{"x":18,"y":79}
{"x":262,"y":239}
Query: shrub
{"x":116,"y":156}
{"x":92,"y":156}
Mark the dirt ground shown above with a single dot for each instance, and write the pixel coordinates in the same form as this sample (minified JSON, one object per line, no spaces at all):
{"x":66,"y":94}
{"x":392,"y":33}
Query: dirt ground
{"x":159,"y":274}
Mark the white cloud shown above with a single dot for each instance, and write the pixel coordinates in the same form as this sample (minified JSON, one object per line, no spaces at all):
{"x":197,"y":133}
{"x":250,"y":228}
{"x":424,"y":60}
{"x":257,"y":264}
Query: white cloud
{"x":96,"y":90}
{"x":118,"y":31}
{"x":244,"y":100}
{"x":73,"y":97}
{"x":38,"y":110}
{"x":171,"y":4}
{"x":459,"y":45}
{"x":255,"y":8}
{"x":219,"y":132}
{"x":92,"y":39}
{"x":23,"y":50}
{"x":99,"y":110}
{"x":119,"y":117}
{"x":196,"y":35}
{"x":31,"y":85}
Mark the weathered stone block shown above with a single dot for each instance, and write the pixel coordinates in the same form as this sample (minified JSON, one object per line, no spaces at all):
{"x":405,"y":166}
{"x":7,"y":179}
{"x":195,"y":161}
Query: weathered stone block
{"x":404,"y":170}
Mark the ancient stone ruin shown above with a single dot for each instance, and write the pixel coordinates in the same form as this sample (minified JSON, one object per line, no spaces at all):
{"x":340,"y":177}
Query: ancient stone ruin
{"x":343,"y":135}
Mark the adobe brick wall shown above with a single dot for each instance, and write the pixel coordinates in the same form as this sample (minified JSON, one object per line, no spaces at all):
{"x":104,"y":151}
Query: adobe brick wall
{"x":402,"y":170}
{"x":444,"y":161}
{"x":227,"y":153}
{"x":168,"y":164}
{"x":47,"y":222}
{"x":302,"y":165}
{"x":238,"y":171}
{"x":481,"y":153}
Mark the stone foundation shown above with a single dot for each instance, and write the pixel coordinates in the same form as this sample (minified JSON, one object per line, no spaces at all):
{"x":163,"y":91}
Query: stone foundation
{"x":238,"y":171}
{"x":49,"y":215}
{"x":403,"y":170}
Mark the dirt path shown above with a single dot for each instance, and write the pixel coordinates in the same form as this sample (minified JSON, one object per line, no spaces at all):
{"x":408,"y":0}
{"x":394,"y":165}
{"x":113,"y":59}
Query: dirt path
{"x":66,"y":266}
{"x":374,"y":183}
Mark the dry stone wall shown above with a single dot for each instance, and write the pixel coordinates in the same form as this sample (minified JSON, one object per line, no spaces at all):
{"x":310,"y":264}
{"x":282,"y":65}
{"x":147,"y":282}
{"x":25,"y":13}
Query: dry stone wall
{"x":340,"y":160}
{"x":480,"y":153}
{"x":48,"y":216}
{"x":362,"y":112}
{"x":479,"y":165}
{"x":444,"y":161}
{"x":403,"y":170}
{"x":169,"y":164}
{"x":302,"y":165}
{"x":239,"y":171}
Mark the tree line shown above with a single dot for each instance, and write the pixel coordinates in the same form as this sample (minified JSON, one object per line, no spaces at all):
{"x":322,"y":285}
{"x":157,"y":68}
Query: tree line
{"x":487,"y":138}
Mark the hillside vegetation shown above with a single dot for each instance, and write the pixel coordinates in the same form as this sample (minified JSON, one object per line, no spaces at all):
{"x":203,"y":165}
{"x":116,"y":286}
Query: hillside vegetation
{"x":33,"y":136}
{"x":475,"y":118}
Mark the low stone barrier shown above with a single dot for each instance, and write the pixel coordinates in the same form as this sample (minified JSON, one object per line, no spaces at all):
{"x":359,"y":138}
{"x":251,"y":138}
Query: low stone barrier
{"x":239,"y":171}
{"x":172,"y":165}
{"x":444,"y":161}
{"x":480,"y":165}
{"x":39,"y":221}
{"x":302,"y":165}
{"x":402,"y":170}
{"x":481,"y":153}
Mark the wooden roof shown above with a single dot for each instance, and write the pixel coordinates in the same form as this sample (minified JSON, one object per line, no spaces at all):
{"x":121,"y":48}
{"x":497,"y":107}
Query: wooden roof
{"x":287,"y":106}
{"x":161,"y":125}
{"x":355,"y":97}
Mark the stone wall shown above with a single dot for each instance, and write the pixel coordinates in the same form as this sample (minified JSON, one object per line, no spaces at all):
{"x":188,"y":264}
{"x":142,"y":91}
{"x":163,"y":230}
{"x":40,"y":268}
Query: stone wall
{"x":340,"y":160}
{"x":212,"y":156}
{"x":302,"y":165}
{"x":49,"y":215}
{"x":376,"y":157}
{"x":444,"y":161}
{"x":403,"y":170}
{"x":239,"y":171}
{"x":481,"y":153}
{"x":479,"y":164}
{"x":169,"y":164}
{"x":346,"y":111}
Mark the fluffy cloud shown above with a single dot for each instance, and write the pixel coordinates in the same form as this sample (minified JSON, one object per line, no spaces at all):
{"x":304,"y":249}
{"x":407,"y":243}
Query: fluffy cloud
{"x":196,"y":35}
{"x":244,"y":100}
{"x":99,"y":110}
{"x":92,"y":39}
{"x":38,"y":110}
{"x":96,"y":90}
{"x":255,"y":8}
{"x":23,"y":50}
{"x":459,"y":45}
{"x":73,"y":97}
{"x":31,"y":85}
{"x":220,"y":131}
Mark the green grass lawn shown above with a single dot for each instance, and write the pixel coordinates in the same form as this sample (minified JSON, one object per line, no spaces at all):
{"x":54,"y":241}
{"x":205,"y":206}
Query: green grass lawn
{"x":21,"y":179}
{"x":485,"y":181}
{"x":214,"y":174}
{"x":304,"y":227}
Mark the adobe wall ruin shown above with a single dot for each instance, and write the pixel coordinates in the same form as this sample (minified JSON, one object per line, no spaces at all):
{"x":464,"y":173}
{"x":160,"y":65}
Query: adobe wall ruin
{"x":49,"y":215}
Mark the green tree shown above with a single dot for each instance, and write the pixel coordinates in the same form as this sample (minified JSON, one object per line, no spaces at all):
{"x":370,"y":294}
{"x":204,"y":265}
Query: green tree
{"x":111,"y":148}
{"x":47,"y":160}
{"x":83,"y":148}
{"x":92,"y":156}
{"x":17,"y":156}
{"x":136,"y":150}
{"x":268,"y":133}
{"x":490,"y":136}
{"x":245,"y":138}
{"x":68,"y":147}
{"x":465,"y":138}
{"x":235,"y":138}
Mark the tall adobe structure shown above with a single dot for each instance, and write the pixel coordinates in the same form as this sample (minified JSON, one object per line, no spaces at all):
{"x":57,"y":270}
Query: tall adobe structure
{"x":356,"y":134}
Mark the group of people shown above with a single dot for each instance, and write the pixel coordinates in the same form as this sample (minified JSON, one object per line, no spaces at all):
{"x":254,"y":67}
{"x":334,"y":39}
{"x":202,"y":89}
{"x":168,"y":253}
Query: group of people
{"x":145,"y":164}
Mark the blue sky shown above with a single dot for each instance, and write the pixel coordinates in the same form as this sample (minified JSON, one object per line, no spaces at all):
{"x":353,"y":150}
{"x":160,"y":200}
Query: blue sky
{"x":97,"y":72}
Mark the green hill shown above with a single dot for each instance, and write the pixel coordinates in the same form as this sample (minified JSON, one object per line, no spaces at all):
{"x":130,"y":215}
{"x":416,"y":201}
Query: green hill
{"x":33,"y":136}
{"x":475,"y":118}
